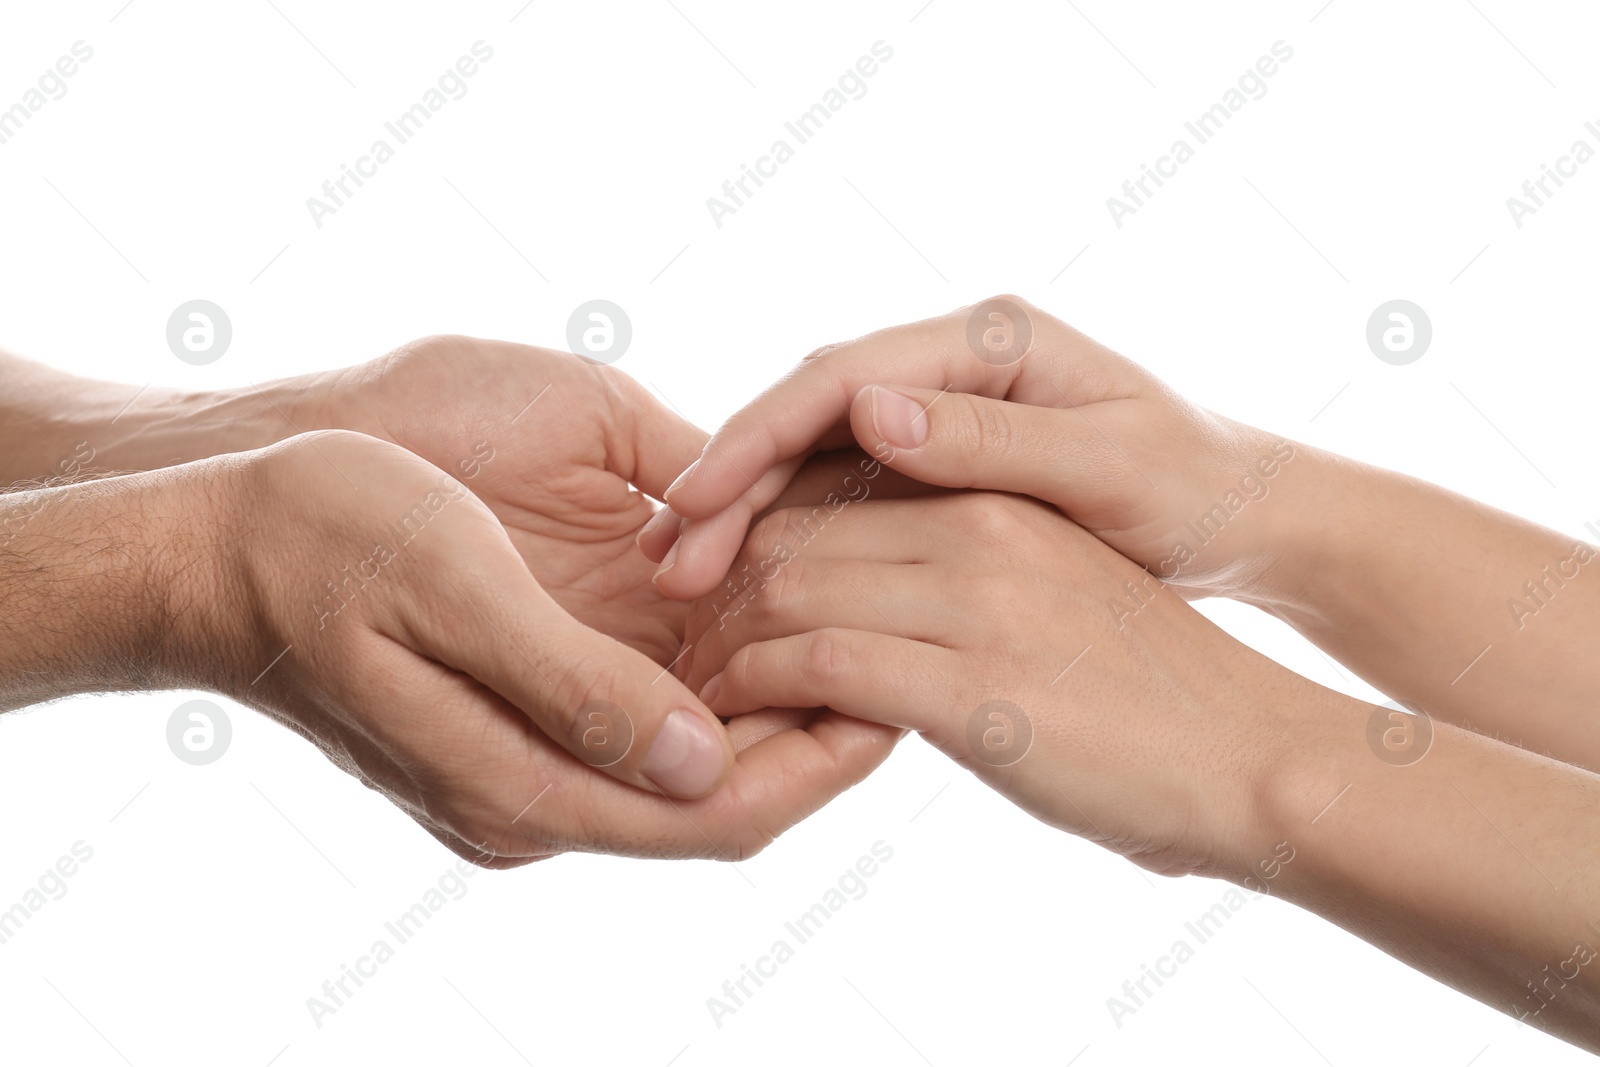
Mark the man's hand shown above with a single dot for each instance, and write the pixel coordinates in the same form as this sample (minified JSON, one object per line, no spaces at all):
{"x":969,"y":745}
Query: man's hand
{"x":554,"y":445}
{"x":531,"y":612}
{"x":368,"y":600}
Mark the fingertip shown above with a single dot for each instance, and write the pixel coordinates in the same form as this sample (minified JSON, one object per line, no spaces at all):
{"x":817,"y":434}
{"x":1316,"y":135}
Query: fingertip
{"x":717,"y":480}
{"x":710,"y":691}
{"x":676,"y":487}
{"x":690,"y":757}
{"x":698,"y":562}
{"x":698,"y":492}
{"x":657,"y":536}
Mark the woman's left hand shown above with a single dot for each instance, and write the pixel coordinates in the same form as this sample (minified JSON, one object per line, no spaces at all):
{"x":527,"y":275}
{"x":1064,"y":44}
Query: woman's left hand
{"x":1063,"y":675}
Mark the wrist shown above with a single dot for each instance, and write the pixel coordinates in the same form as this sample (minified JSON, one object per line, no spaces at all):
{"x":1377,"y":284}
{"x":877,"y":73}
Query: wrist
{"x":1318,"y":756}
{"x":164,"y":428}
{"x":1285,"y":744}
{"x":1293,"y":537}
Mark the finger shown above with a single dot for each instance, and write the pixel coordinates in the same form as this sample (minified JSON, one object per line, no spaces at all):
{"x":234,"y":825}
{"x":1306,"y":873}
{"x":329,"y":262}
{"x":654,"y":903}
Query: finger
{"x":777,"y":781}
{"x":832,"y":476}
{"x":962,"y":441}
{"x":656,"y":537}
{"x":606,"y":704}
{"x":761,"y":497}
{"x":695,"y":564}
{"x":849,"y":473}
{"x":808,"y":594}
{"x":946,"y":352}
{"x":867,"y":676}
{"x":788,"y":418}
{"x":499,"y":787}
{"x":751,"y":729}
{"x":783,"y":779}
{"x":864,"y":528}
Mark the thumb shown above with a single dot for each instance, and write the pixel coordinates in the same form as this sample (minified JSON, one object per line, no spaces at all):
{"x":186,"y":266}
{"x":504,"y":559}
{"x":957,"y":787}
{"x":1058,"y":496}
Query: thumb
{"x":608,"y":705}
{"x":962,"y":441}
{"x":662,"y":443}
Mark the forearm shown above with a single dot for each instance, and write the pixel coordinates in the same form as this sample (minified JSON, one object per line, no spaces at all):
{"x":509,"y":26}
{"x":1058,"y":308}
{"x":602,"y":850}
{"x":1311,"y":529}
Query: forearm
{"x":56,"y":426}
{"x":1442,"y":602}
{"x":96,"y":585}
{"x":1474,"y":865}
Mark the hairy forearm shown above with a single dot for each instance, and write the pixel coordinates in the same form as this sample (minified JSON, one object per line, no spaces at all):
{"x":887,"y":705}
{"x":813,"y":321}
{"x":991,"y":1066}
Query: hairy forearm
{"x":1474,"y":864}
{"x":94,"y":588}
{"x":56,"y":426}
{"x":1444,"y":603}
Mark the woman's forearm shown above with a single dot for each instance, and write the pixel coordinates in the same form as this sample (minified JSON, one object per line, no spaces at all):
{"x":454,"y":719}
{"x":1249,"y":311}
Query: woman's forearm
{"x":1444,"y":603}
{"x":1474,"y":864}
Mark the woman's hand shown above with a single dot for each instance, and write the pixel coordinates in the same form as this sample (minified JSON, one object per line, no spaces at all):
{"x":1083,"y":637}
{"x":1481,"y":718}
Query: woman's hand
{"x":1000,"y":396}
{"x":1062,"y":674}
{"x":1076,"y":684}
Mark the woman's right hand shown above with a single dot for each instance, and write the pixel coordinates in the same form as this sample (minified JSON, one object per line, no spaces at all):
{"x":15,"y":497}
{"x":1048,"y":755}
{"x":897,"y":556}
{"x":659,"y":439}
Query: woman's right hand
{"x":999,"y":396}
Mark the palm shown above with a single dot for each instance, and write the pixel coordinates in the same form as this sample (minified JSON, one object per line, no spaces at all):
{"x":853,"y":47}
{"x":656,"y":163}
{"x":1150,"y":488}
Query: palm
{"x":549,"y":443}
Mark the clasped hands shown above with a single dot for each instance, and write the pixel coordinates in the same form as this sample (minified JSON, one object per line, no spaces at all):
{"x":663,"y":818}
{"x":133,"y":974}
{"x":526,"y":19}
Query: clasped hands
{"x":939,"y":542}
{"x":441,"y":567}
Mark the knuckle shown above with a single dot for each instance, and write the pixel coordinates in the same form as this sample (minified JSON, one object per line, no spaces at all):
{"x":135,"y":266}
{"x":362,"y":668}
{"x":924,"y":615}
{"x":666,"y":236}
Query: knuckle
{"x":819,"y":353}
{"x":776,"y":538}
{"x":826,"y":656}
{"x":746,"y":842}
{"x":434,"y":347}
{"x":1010,"y":298}
{"x":989,"y":518}
{"x":785,"y":585}
{"x":989,"y":425}
{"x":764,"y":539}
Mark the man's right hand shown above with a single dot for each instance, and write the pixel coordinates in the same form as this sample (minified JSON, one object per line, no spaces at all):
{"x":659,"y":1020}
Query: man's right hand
{"x":372,"y":603}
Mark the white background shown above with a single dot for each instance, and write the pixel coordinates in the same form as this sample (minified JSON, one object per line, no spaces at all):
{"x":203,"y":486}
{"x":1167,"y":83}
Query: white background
{"x":1376,"y":166}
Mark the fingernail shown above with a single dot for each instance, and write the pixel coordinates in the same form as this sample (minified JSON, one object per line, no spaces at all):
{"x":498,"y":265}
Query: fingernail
{"x":667,"y":561}
{"x":686,"y":757}
{"x":680,"y":479}
{"x":898,"y":419}
{"x":712,"y":690}
{"x":658,"y":520}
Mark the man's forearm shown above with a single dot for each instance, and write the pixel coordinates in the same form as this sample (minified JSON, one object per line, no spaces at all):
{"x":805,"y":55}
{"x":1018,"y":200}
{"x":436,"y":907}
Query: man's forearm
{"x":1444,"y":603}
{"x":93,"y":588}
{"x":59,"y":427}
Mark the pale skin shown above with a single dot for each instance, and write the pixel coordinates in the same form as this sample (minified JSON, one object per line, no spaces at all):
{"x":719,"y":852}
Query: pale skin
{"x":442,"y":540}
{"x":1167,"y":740}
